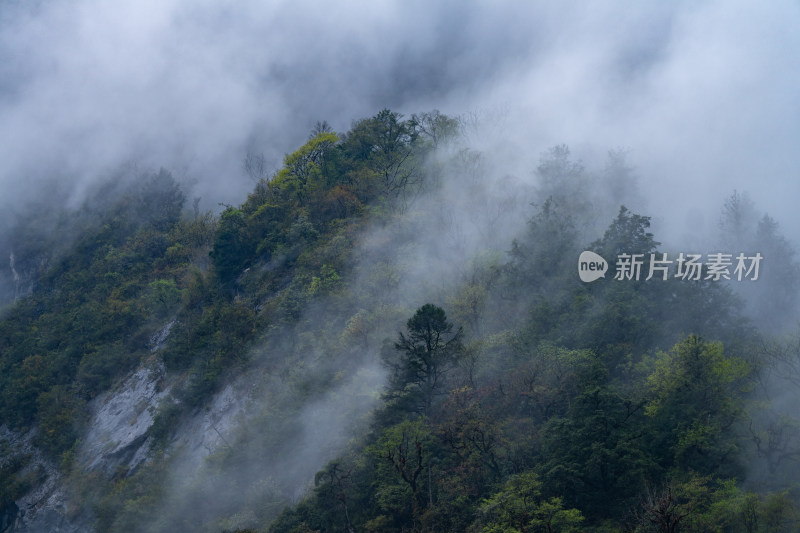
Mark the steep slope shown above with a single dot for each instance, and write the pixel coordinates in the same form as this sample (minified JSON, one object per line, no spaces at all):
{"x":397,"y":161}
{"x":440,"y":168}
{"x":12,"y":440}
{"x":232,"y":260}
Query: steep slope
{"x":377,"y":340}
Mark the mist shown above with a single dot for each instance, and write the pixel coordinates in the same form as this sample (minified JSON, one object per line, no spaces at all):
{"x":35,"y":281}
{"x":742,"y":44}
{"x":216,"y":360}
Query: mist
{"x":701,"y":97}
{"x":702,"y":94}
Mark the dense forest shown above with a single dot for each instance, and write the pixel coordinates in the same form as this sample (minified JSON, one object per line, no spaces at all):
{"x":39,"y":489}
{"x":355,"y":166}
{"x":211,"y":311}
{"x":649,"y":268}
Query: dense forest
{"x":411,"y":347}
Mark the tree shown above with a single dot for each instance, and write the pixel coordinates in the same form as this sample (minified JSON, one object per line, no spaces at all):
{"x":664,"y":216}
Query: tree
{"x":233,"y":249}
{"x":697,"y":503}
{"x":164,"y":296}
{"x":255,"y":166}
{"x":627,"y":234}
{"x":332,"y":483}
{"x":616,"y":184}
{"x":565,"y":182}
{"x":306,"y":171}
{"x":402,"y":455}
{"x":382,"y":148}
{"x":738,"y":219}
{"x":520,"y":508}
{"x":559,"y":177}
{"x":594,"y":456}
{"x":542,"y":258}
{"x":774,"y":296}
{"x":694,"y":405}
{"x":160,"y":200}
{"x":436,"y":127}
{"x":427,"y":351}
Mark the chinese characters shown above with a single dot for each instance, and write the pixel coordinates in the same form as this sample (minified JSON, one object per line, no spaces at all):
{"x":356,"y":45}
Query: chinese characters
{"x":690,"y":267}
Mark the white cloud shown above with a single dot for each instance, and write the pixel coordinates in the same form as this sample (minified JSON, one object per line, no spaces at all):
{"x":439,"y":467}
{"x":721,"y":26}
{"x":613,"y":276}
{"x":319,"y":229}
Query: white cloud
{"x":704,"y":94}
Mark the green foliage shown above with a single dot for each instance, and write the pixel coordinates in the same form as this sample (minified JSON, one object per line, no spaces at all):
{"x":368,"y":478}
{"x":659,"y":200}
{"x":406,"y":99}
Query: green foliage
{"x":612,"y":317}
{"x":565,"y":183}
{"x":595,"y":456}
{"x":439,"y":129}
{"x":551,"y":414}
{"x":16,"y":476}
{"x":555,"y":408}
{"x":164,"y":296}
{"x":160,"y":201}
{"x":520,"y":508}
{"x":403,"y":455}
{"x":309,"y":170}
{"x":383,"y":155}
{"x":98,"y":368}
{"x":325,"y":282}
{"x":165,"y":420}
{"x":125,"y":506}
{"x":233,"y":249}
{"x":60,"y":418}
{"x":425,"y":354}
{"x":544,"y":257}
{"x":627,"y":234}
{"x":697,"y":393}
{"x":701,"y":504}
{"x":93,"y":311}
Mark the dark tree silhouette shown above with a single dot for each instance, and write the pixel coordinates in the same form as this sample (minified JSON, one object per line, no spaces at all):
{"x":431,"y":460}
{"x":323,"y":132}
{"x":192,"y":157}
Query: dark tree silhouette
{"x":427,"y":351}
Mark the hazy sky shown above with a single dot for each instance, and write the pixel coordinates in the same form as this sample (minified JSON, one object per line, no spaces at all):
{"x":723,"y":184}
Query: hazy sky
{"x":705,"y":95}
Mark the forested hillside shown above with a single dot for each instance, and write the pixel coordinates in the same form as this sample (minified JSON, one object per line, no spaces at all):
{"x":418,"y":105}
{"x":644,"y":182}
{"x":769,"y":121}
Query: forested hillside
{"x":402,"y":343}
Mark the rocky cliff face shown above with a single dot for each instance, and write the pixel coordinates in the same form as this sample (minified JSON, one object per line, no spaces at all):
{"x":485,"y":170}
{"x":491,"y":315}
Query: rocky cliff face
{"x":44,"y":507}
{"x":115,"y":443}
{"x":116,"y":439}
{"x":117,"y":436}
